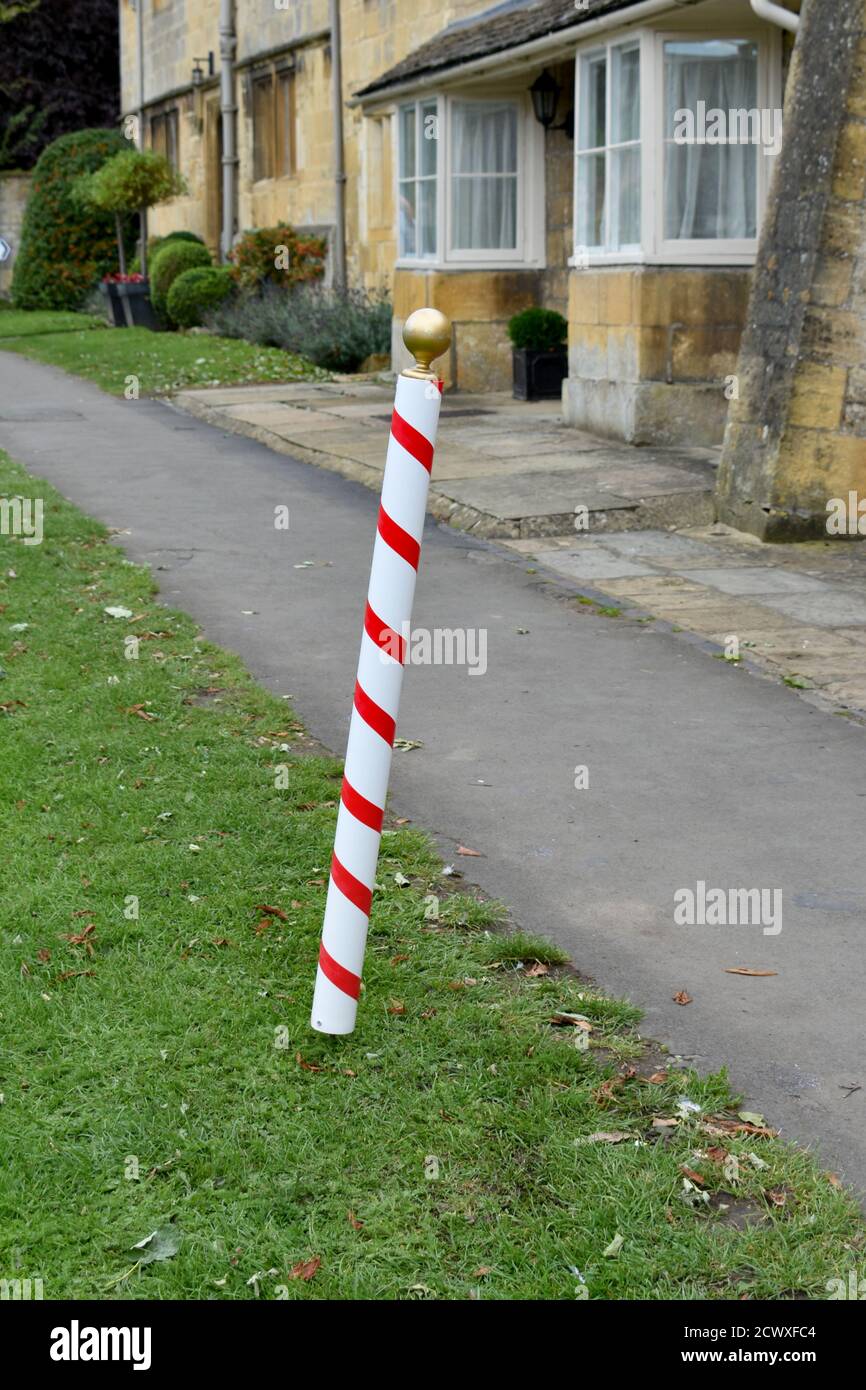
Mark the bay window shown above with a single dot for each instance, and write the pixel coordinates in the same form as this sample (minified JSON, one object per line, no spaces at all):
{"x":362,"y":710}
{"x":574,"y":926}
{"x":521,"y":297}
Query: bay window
{"x":464,"y":181}
{"x":672,"y":155}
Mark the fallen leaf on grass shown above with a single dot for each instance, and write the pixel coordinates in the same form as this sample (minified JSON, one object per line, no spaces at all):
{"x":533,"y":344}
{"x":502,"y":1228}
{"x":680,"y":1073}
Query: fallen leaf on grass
{"x":272,"y":911}
{"x":262,"y":926}
{"x":354,"y":1222}
{"x":614,"y":1136}
{"x":141,"y":713}
{"x":482,"y":1271}
{"x":398,"y":960}
{"x":307,"y":1066}
{"x":83,"y":938}
{"x":720,"y":1128}
{"x":469,"y":853}
{"x":692,"y":1175}
{"x":396,"y":1006}
{"x":118,"y":611}
{"x":612,"y":1251}
{"x":744,"y":970}
{"x":660,"y":1122}
{"x":537,"y":968}
{"x":605,"y":1092}
{"x":306,"y":1269}
{"x":682,"y":998}
{"x":161,"y":1244}
{"x":716,"y":1154}
{"x":777,"y":1198}
{"x":71,"y":974}
{"x":658,"y":1078}
{"x":44,"y":955}
{"x":750,"y":1117}
{"x":566,"y":1020}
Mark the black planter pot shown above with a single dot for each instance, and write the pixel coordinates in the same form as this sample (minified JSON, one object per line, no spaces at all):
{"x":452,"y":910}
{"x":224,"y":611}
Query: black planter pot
{"x":135,"y":305}
{"x":538,"y":376}
{"x":109,"y":289}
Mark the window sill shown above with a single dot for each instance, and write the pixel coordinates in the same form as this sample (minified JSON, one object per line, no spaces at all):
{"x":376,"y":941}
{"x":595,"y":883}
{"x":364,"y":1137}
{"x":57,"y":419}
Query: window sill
{"x":694,"y":258}
{"x":445,"y":267}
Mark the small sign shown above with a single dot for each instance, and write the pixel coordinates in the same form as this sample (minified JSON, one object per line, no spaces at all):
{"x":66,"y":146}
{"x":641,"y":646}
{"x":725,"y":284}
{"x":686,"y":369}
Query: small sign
{"x":5,"y":250}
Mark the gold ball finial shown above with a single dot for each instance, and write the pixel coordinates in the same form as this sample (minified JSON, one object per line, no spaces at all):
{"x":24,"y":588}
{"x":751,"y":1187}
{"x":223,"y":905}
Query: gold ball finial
{"x":427,"y":334}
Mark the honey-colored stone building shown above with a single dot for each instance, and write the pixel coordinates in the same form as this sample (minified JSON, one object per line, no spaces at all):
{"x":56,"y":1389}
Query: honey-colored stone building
{"x":616,"y":160}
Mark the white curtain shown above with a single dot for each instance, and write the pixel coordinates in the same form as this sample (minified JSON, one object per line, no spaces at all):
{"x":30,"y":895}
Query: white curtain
{"x":484,"y":176}
{"x":710,"y":190}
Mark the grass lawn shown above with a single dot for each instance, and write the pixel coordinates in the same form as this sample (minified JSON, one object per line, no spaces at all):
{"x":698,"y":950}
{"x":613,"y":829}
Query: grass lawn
{"x":163,"y":892}
{"x":17,"y":323}
{"x":161,"y":362}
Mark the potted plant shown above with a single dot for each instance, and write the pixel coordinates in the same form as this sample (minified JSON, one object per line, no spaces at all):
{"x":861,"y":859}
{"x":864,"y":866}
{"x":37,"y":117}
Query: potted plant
{"x":539,"y":357}
{"x":129,"y":183}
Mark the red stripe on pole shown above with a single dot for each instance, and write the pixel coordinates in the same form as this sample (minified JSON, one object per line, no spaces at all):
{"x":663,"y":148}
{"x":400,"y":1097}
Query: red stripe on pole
{"x":384,"y":636}
{"x":378,"y":719}
{"x":399,"y":540}
{"x":412,"y":440}
{"x":363,"y":810}
{"x":338,"y":974}
{"x":351,"y":887}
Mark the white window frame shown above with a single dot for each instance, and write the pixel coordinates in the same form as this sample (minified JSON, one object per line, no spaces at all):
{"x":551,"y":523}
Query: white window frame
{"x":529,"y":251}
{"x":654,"y":249}
{"x":417,"y":257}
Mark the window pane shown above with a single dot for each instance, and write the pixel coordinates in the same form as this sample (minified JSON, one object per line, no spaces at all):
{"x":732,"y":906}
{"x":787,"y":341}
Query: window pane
{"x":625,"y":193}
{"x":407,"y":218}
{"x":484,"y":212}
{"x":625,"y":95}
{"x":593,"y":92}
{"x":407,"y":142}
{"x":429,"y":137}
{"x":484,"y":136}
{"x":710,"y":188}
{"x":590,"y":200}
{"x":710,"y":191}
{"x":427,"y":217}
{"x":263,"y":128}
{"x":721,"y":73}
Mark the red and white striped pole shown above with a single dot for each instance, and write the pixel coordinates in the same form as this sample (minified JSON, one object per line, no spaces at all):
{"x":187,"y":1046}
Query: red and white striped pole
{"x":427,"y":334}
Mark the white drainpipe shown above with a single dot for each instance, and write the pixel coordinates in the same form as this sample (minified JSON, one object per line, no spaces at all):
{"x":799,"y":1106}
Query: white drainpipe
{"x":228,"y":108}
{"x":786,"y":19}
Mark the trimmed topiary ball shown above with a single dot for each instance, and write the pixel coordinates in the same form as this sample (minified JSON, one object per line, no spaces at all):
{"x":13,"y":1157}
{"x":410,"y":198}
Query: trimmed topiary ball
{"x":65,"y":248}
{"x":170,"y":261}
{"x":156,"y":243}
{"x":196,"y":292}
{"x":537,"y":330}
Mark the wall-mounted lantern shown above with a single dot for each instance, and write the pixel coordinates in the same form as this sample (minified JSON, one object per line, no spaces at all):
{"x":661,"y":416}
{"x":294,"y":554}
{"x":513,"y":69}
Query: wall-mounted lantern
{"x":198,"y":73}
{"x":545,"y":98}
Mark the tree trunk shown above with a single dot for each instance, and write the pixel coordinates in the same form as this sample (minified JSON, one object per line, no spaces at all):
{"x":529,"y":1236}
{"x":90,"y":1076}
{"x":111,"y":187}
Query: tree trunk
{"x":121,"y":249}
{"x":142,"y":236}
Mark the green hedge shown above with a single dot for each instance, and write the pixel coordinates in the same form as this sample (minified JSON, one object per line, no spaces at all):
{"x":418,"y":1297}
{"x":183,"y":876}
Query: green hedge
{"x":170,"y":261}
{"x":64,"y":248}
{"x":195,"y":292}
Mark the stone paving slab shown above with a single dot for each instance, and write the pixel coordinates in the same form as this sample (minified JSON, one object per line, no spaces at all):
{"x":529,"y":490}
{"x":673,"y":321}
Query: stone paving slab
{"x":797,"y":612}
{"x":496,"y":458}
